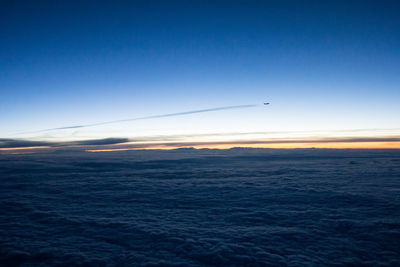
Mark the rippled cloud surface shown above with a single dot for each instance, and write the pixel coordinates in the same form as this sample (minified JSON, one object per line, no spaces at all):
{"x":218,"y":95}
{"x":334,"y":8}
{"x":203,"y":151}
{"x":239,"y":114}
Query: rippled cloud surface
{"x":188,"y":207}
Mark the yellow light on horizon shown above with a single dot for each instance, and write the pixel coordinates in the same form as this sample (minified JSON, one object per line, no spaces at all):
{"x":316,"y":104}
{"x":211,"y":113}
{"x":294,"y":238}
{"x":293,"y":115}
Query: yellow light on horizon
{"x":331,"y":145}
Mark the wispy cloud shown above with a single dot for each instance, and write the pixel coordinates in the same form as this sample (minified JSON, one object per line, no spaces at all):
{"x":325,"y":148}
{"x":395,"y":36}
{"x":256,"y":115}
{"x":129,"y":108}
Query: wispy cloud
{"x":11,"y":143}
{"x":18,"y":143}
{"x":179,"y":141}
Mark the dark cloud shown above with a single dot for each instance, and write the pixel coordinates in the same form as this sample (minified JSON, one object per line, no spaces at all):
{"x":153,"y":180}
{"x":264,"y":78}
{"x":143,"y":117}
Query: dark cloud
{"x":19,"y":143}
{"x":9,"y":143}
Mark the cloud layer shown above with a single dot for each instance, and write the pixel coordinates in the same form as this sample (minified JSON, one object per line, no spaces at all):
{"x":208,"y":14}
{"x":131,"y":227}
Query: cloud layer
{"x":239,"y":207}
{"x":19,"y":143}
{"x":185,"y":141}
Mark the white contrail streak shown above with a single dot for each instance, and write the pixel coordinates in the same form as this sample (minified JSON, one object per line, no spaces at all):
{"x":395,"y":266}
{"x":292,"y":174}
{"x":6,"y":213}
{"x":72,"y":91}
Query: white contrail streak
{"x":144,"y":118}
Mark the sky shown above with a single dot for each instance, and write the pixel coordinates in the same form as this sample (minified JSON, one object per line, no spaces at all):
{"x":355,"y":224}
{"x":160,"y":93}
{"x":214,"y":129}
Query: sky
{"x":330,"y":70}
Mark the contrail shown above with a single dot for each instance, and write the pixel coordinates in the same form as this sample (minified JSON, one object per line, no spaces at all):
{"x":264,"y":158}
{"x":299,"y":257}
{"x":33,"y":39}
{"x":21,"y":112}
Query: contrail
{"x":144,"y":118}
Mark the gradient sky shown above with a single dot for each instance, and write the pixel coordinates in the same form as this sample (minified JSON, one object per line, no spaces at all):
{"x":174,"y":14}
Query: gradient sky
{"x":329,"y":68}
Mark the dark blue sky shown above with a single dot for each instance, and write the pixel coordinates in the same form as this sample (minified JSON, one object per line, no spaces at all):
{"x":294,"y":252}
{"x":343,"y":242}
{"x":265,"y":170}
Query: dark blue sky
{"x":330,"y":65}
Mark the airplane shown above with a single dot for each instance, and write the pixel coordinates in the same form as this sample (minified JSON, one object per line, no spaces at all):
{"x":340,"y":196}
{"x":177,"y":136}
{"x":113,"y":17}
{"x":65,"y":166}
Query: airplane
{"x":266,"y":103}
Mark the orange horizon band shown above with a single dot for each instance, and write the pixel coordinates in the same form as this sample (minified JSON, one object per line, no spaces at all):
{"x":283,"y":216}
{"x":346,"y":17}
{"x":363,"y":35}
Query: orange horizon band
{"x":339,"y":145}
